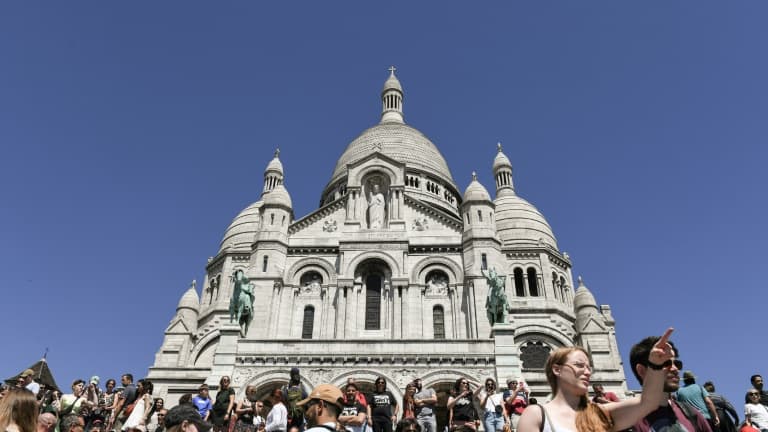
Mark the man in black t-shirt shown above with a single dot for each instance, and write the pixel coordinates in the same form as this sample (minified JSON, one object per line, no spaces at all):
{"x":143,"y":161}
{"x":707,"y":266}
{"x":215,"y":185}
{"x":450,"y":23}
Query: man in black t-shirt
{"x":354,"y":416}
{"x":383,"y":407}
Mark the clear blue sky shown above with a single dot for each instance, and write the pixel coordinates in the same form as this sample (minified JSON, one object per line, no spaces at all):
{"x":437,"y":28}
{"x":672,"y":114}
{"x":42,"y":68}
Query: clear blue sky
{"x":131,"y":133}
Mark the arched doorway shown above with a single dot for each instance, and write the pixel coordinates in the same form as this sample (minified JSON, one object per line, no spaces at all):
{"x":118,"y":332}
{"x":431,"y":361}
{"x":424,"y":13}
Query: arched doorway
{"x":373,"y":276}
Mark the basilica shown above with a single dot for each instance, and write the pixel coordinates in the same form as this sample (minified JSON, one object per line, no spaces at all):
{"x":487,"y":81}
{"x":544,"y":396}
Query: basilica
{"x":388,"y":277}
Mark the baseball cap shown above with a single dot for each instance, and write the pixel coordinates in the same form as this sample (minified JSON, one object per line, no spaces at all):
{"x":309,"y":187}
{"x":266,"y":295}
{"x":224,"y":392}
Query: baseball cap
{"x":324,"y":392}
{"x":26,"y":373}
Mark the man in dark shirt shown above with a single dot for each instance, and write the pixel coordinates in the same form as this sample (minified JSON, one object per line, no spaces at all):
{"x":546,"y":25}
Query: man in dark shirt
{"x":383,"y":406}
{"x":671,"y":416}
{"x":728,"y":415}
{"x":127,"y":397}
{"x":757,"y":384}
{"x":354,"y":416}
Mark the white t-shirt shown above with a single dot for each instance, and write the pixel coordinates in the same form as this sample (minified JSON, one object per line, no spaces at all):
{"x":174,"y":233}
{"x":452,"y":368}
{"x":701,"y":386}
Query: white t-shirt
{"x":757,"y":413}
{"x":277,"y":419}
{"x":494,"y":400}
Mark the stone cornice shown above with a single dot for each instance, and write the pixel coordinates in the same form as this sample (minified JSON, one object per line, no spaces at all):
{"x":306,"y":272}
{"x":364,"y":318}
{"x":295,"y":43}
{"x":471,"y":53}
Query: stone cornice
{"x":553,"y":255}
{"x":363,"y":360}
{"x":318,"y":250}
{"x":434,"y":249}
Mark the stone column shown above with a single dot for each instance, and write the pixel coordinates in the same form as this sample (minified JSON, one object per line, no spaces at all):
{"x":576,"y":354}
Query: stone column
{"x":507,"y":354}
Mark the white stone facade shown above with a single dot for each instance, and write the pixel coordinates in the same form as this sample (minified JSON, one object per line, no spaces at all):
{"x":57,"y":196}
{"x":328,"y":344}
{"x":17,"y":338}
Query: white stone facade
{"x":385,"y":279}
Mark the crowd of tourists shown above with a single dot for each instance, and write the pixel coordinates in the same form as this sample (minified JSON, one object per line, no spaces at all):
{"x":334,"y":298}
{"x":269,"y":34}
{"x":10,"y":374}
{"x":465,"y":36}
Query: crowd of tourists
{"x":664,"y":405}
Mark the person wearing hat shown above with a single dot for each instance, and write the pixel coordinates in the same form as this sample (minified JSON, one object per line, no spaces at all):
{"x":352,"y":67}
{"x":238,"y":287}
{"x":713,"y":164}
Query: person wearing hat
{"x":27,"y":380}
{"x":322,"y":408}
{"x":185,"y":418}
{"x":697,"y":396}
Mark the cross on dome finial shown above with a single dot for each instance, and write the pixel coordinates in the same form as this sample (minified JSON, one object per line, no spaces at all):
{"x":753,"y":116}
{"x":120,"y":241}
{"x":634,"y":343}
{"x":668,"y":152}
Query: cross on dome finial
{"x":498,"y":146}
{"x":474,"y":176}
{"x":277,"y":152}
{"x":581,"y":281}
{"x":392,"y":70}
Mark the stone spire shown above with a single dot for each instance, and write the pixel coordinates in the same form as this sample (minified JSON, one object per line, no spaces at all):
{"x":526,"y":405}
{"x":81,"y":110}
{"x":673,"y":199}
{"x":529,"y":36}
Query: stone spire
{"x":584,"y":304}
{"x":502,"y":172}
{"x":273,"y":175}
{"x":392,"y":99}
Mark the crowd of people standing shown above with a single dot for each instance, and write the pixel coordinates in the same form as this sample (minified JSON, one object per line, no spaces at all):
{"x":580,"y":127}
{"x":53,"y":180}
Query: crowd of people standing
{"x":663,"y":406}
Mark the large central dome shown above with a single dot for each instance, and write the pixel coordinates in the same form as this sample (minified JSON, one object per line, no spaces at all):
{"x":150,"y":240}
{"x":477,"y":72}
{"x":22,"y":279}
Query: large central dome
{"x":396,"y":140}
{"x":399,"y":142}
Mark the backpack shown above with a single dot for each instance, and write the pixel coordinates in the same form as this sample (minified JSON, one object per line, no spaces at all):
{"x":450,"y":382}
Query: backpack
{"x":292,"y":396}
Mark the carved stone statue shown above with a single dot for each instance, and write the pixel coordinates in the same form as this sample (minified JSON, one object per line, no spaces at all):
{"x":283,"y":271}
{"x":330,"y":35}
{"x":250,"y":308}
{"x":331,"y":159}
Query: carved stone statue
{"x":241,"y":303}
{"x":376,"y":208}
{"x":496,"y":302}
{"x":437,"y":284}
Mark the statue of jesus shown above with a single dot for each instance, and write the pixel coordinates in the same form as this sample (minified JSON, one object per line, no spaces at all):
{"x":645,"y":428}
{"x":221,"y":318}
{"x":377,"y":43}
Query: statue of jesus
{"x":376,"y":208}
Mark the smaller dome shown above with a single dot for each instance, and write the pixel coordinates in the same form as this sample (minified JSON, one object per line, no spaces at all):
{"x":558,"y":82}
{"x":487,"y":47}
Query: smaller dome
{"x":583,"y":296}
{"x":278,"y":196}
{"x":392,"y":83}
{"x":501,"y":160}
{"x":242,"y":231}
{"x":275,"y":164}
{"x":190,"y":300}
{"x":519,"y":223}
{"x":476,"y":191}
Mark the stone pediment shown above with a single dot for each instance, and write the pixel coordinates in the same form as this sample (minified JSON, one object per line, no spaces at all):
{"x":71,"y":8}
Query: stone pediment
{"x":326,"y":220}
{"x":424,"y":218}
{"x":593,"y":325}
{"x":177,"y":326}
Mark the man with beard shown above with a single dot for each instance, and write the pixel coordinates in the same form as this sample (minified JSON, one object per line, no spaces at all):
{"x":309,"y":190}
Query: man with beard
{"x":671,"y":416}
{"x":757,"y":384}
{"x":354,"y":416}
{"x":322,"y":408}
{"x":424,"y":401}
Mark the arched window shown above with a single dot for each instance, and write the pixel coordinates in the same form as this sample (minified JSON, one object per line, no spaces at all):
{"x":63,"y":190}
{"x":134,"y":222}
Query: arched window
{"x":271,"y":218}
{"x":534,"y":355}
{"x":484,"y":262}
{"x":533,"y":285}
{"x":373,"y":302}
{"x":264,"y":265}
{"x":479,"y":216}
{"x":438,"y":322}
{"x":519,"y":284}
{"x":309,"y":323}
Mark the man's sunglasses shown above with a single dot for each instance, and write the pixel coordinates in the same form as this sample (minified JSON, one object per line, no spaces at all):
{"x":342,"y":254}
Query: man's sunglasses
{"x":678,"y":364}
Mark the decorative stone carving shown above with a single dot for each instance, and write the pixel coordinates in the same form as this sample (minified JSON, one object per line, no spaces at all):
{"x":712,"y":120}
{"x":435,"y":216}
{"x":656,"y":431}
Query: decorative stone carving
{"x":420,"y":224}
{"x":403,"y":376}
{"x":243,"y":375}
{"x":437,"y":285}
{"x":330,"y":226}
{"x":320,"y":375}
